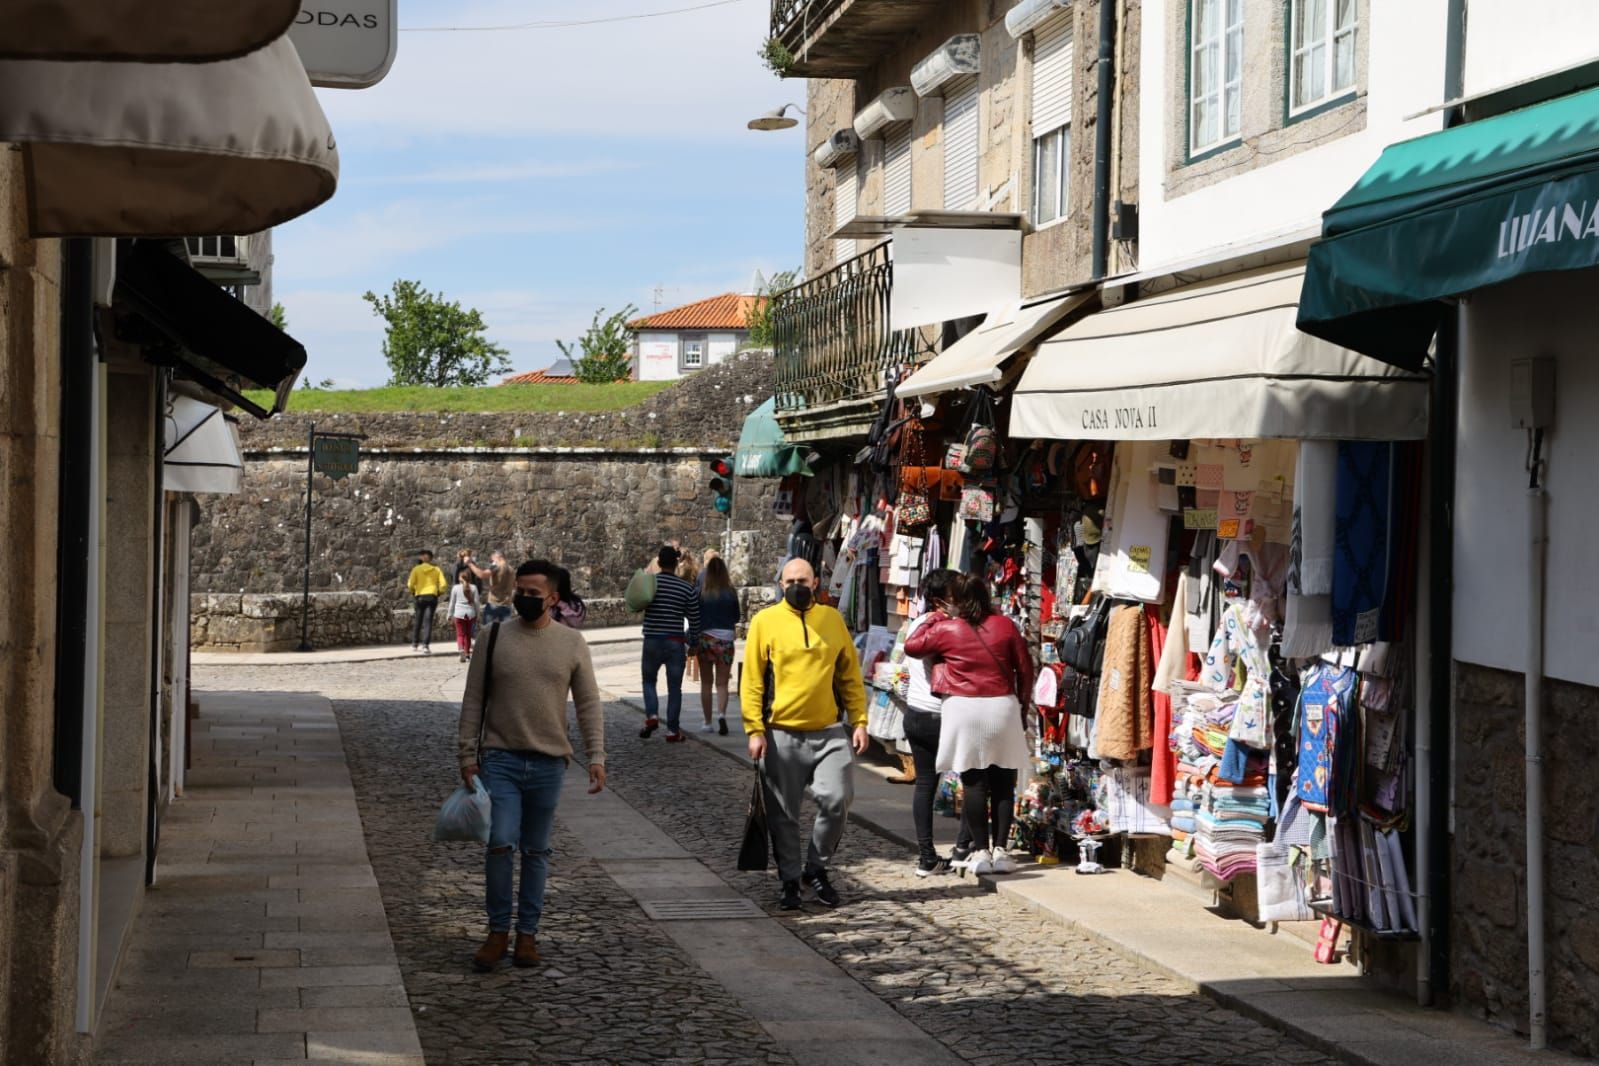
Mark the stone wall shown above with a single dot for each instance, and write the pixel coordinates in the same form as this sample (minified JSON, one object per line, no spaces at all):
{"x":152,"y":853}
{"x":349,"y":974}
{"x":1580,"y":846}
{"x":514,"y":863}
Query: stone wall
{"x":705,"y":410}
{"x":1489,"y":886}
{"x":598,"y":512}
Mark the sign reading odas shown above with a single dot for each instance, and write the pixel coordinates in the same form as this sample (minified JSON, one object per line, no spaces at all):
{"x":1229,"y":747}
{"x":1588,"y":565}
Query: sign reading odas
{"x":346,"y":44}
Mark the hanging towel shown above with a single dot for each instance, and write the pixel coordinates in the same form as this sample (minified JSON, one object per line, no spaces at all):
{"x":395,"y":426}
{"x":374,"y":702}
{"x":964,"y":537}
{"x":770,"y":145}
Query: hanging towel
{"x":1361,"y":541}
{"x":1310,"y":567}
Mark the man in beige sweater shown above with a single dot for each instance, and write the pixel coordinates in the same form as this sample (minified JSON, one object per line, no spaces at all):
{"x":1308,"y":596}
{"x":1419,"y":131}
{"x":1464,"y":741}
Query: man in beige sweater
{"x":513,"y":732}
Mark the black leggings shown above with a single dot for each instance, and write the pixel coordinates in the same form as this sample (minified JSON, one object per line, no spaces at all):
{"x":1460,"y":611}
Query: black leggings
{"x":922,"y":730}
{"x":988,"y":798}
{"x":422,"y":623}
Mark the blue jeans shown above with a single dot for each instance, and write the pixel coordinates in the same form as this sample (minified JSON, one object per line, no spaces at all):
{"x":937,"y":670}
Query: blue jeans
{"x":670,"y":653}
{"x":495,"y":613}
{"x":523,"y":791}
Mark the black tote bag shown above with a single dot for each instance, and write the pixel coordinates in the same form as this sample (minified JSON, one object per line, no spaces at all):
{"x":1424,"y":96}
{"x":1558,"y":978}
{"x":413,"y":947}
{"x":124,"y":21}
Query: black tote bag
{"x":755,"y":851}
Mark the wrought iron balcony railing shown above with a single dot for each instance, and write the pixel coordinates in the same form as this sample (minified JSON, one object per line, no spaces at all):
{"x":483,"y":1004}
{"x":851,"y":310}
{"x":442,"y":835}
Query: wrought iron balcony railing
{"x":832,"y":337}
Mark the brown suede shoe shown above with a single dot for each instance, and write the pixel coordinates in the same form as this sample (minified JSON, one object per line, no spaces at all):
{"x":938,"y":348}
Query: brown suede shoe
{"x":493,"y":950}
{"x":527,"y":950}
{"x":907,"y":773}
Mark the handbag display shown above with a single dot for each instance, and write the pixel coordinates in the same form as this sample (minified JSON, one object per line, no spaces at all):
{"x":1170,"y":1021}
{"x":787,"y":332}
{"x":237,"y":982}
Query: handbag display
{"x":981,"y":447}
{"x":1082,"y":646}
{"x":977,"y":503}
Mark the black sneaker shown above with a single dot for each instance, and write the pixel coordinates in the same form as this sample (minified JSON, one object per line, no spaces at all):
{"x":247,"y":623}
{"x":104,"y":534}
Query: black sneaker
{"x":721,"y":726}
{"x":791,"y":896}
{"x":932,"y":868}
{"x":650,"y":726}
{"x":816,"y":881}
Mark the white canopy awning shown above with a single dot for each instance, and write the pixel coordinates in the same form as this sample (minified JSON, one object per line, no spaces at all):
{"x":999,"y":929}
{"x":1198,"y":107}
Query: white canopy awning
{"x":1217,"y":359}
{"x":976,"y":358}
{"x":168,"y":149}
{"x":202,"y":449}
{"x":141,"y":31}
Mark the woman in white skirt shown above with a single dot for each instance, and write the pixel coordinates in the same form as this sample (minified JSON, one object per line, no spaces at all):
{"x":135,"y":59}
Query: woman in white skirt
{"x":983,"y":675}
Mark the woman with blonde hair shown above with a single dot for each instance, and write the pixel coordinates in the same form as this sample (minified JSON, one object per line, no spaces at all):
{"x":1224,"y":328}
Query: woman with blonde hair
{"x":720,"y":615}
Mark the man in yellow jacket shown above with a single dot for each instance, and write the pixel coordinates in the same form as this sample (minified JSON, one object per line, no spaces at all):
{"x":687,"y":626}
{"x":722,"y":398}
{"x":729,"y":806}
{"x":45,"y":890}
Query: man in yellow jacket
{"x":801,"y":678}
{"x":426,"y":584}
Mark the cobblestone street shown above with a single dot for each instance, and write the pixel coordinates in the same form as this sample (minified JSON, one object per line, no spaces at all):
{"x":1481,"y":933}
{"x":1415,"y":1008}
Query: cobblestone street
{"x":975,"y":972}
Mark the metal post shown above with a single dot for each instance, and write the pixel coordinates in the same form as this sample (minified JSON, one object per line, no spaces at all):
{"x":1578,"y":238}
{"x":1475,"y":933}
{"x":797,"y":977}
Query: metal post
{"x":305,"y":595}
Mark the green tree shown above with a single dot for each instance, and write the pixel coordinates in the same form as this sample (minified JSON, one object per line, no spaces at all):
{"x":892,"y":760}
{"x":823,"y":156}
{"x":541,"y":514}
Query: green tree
{"x":434,"y":341}
{"x":601,"y":355}
{"x":278,"y":316}
{"x":758,"y":319}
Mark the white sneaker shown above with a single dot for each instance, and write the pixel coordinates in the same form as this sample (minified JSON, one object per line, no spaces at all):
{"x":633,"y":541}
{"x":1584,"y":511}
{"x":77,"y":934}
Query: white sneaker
{"x":708,"y":728}
{"x":1001,"y":862}
{"x":978,"y":862}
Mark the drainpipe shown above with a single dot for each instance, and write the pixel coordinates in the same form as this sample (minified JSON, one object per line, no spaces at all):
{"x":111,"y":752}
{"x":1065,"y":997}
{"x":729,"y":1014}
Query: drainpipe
{"x":1435,"y":817}
{"x":1537,"y":1014}
{"x":1102,"y":137}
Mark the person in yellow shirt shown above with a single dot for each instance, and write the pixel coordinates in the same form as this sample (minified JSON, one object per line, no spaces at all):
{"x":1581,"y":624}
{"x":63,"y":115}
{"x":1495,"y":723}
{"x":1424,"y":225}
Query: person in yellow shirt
{"x":426,"y":584}
{"x":801,"y":679}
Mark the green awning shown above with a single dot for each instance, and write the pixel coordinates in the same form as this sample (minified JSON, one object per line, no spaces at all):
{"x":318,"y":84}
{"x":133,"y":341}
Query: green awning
{"x":763,"y":451}
{"x":1454,"y":211}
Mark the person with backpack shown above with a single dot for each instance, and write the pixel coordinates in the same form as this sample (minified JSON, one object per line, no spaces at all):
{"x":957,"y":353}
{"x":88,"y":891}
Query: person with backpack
{"x":513,"y":733}
{"x":983,"y":676}
{"x":671,"y":627}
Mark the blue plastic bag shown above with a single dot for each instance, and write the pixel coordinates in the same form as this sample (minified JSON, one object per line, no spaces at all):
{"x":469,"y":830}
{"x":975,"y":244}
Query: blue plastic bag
{"x":465,"y":814}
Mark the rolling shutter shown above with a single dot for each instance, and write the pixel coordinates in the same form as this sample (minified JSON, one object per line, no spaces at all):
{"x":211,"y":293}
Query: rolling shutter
{"x":897,"y":171}
{"x":960,"y":146}
{"x":1052,"y":74}
{"x":846,"y":187}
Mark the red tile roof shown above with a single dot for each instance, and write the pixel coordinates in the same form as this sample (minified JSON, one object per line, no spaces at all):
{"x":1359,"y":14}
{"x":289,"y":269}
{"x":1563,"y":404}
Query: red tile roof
{"x":540,"y":377}
{"x":727,"y":311}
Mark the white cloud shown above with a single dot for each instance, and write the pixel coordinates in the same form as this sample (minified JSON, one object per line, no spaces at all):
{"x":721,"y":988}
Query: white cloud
{"x":690,"y":76}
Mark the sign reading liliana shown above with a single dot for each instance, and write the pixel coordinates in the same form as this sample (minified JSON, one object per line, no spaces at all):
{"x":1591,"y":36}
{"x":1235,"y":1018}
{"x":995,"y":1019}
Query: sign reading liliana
{"x":346,"y":44}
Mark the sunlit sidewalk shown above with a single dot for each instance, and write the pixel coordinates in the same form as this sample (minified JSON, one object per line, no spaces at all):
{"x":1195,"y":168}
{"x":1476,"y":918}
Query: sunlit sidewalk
{"x":264,"y":938}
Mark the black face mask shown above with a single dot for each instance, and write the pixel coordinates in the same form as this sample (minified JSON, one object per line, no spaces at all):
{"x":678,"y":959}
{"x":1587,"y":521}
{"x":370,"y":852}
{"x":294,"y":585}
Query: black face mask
{"x":798,"y":596}
{"x":531,"y":608}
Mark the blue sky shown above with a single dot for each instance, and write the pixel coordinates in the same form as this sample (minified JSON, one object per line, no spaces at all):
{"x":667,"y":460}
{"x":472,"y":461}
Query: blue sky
{"x":541,"y":174}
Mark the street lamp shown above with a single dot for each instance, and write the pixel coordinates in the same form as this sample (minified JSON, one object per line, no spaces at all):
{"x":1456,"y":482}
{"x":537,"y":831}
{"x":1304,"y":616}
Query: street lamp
{"x":776,"y":120}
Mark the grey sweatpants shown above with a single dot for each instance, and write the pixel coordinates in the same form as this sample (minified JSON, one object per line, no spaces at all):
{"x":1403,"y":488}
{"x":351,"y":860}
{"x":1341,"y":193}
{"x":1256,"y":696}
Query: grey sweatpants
{"x":820,"y":760}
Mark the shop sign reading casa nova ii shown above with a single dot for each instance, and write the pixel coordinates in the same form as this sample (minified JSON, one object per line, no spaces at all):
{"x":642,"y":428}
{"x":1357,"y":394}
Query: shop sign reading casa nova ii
{"x":346,"y":44}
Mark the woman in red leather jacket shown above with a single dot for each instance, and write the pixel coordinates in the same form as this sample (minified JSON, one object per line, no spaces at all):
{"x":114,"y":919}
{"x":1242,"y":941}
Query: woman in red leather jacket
{"x":983,"y":676}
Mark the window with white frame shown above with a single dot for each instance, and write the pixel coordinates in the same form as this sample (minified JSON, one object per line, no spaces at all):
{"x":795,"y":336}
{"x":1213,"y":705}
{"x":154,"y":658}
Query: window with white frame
{"x":1053,"y":56}
{"x":1216,"y":72}
{"x":693,"y":353}
{"x":1322,"y":38}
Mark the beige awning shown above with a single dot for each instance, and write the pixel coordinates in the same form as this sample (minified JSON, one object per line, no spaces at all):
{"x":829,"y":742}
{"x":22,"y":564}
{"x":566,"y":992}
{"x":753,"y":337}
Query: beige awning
{"x":168,"y":149}
{"x":141,"y":31}
{"x":1218,"y":359}
{"x":976,"y":358}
